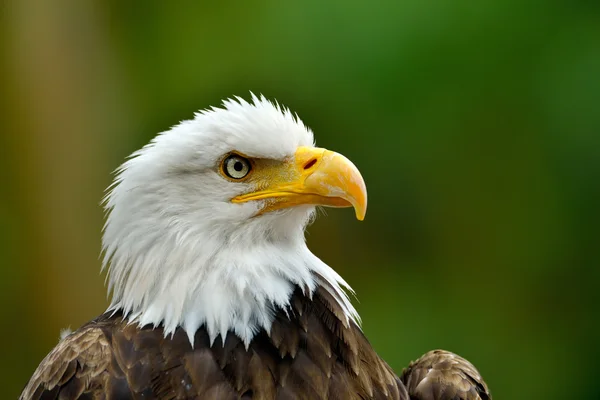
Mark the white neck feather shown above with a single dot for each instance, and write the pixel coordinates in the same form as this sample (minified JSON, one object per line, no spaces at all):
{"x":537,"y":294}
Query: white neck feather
{"x":223,"y":281}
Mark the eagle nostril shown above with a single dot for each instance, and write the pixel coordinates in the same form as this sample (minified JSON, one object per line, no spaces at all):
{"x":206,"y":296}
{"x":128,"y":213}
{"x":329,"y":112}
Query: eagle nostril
{"x":309,"y":164}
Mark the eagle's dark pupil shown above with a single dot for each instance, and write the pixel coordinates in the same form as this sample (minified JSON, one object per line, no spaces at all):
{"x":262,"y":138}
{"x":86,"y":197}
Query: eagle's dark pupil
{"x":238,"y":166}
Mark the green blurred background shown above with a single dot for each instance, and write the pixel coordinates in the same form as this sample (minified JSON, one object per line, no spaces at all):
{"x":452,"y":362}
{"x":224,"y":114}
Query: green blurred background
{"x":476,"y":125}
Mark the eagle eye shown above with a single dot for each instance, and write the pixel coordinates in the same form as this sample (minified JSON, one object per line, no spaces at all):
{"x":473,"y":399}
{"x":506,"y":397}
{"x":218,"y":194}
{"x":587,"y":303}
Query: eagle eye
{"x":236,"y":166}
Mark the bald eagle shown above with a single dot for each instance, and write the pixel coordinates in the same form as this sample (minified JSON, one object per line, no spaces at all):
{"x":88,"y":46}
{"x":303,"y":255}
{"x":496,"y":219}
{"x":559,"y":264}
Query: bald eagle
{"x":215,"y":294}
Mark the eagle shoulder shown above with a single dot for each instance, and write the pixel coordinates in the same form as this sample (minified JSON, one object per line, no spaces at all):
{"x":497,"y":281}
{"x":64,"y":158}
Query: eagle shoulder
{"x":442,"y":375}
{"x":77,"y":365}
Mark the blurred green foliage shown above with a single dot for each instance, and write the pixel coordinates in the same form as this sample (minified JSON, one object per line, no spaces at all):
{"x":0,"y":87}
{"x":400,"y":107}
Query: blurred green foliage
{"x":476,"y":126}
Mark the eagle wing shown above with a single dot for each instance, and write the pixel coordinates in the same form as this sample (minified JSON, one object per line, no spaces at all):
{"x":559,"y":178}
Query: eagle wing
{"x":78,"y":365}
{"x":442,"y":375}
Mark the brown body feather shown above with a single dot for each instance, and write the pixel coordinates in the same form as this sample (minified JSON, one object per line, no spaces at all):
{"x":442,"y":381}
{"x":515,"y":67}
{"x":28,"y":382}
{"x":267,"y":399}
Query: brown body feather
{"x":310,"y":353}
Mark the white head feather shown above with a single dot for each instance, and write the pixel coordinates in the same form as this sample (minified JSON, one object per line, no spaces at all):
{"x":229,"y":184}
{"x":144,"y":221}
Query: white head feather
{"x":180,"y":253}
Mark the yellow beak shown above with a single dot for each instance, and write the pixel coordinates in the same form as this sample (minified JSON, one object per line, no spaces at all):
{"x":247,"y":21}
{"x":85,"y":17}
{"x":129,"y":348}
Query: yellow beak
{"x":313,"y":176}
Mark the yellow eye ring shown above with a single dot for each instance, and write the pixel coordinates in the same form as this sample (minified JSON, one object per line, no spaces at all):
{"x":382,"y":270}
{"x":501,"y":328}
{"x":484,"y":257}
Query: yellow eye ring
{"x":236,"y":167}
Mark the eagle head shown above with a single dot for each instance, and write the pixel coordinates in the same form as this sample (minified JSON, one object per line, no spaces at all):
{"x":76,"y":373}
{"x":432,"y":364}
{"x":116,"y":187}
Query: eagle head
{"x":205,"y":224}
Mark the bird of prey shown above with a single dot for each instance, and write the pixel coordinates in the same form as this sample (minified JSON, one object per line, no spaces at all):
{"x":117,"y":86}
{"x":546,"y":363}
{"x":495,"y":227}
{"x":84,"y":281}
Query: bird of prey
{"x":215,"y":294}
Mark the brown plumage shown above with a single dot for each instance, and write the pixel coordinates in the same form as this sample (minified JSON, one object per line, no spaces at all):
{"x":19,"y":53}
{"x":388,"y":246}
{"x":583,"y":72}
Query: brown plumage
{"x":310,"y":353}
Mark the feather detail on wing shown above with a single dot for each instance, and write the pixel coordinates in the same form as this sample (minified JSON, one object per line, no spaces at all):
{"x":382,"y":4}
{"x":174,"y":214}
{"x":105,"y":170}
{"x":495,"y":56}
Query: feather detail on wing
{"x":77,"y":362}
{"x":442,"y":375}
